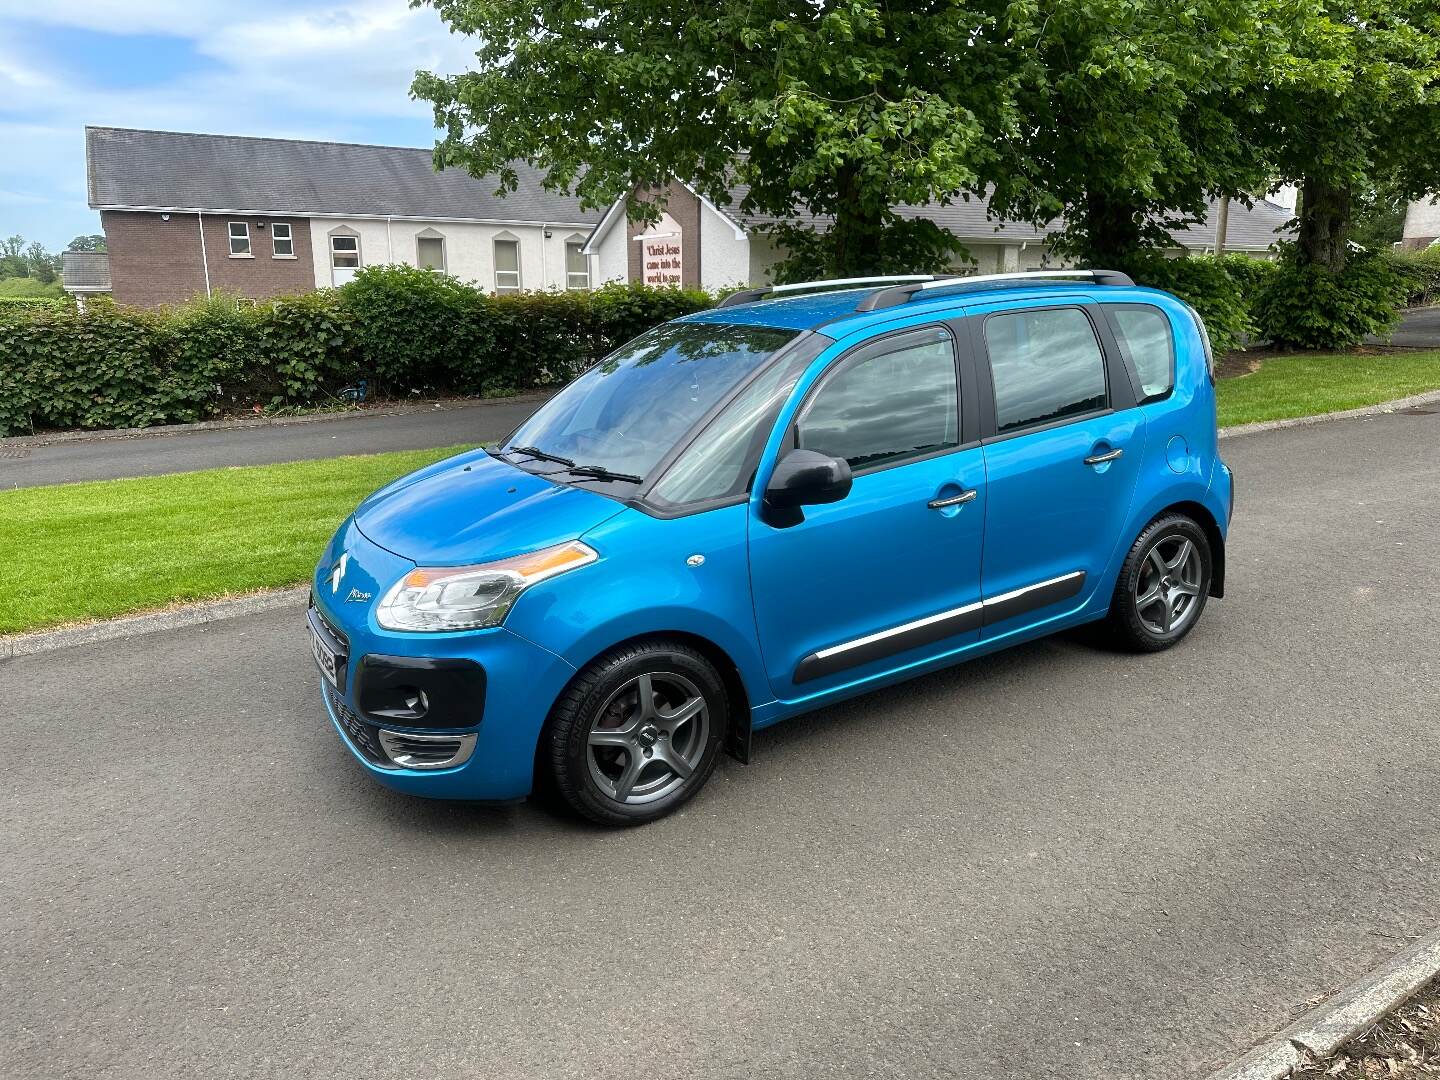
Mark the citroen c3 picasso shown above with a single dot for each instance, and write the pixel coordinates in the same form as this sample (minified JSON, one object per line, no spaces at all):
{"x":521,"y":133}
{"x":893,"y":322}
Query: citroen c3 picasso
{"x":758,"y":510}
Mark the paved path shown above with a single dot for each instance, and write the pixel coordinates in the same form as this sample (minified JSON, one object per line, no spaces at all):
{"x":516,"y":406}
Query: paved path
{"x":149,"y":455}
{"x":1054,"y":863}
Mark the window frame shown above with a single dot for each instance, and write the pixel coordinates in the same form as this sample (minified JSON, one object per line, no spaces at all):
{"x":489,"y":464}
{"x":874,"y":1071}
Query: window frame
{"x":444,"y":267}
{"x":578,"y":242}
{"x":1132,"y":369}
{"x":890,"y":341}
{"x":344,"y":236}
{"x":249,"y":252}
{"x":275,"y":252}
{"x":519,"y":286}
{"x":1119,"y":392}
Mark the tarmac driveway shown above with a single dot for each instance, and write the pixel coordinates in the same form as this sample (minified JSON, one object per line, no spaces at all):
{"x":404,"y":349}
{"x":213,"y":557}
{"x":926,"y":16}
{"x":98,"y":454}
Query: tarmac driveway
{"x":1056,"y":862}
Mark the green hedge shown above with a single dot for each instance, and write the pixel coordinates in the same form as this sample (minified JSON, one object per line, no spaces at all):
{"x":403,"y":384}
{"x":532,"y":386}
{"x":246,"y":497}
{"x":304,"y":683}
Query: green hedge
{"x":1419,"y":271}
{"x":1305,"y":306}
{"x":14,"y":302}
{"x":402,"y":329}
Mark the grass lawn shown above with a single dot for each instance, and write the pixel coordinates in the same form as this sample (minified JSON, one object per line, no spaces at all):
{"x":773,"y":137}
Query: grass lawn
{"x":96,"y":550}
{"x":1304,"y":385}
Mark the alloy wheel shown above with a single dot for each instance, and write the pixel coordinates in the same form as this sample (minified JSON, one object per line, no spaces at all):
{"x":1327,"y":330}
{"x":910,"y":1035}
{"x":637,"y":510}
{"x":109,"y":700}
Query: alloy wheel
{"x":649,"y":738}
{"x":1167,"y":588}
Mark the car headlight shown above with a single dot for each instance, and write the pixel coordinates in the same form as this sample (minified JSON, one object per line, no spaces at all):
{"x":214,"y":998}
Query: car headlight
{"x":471,"y":597}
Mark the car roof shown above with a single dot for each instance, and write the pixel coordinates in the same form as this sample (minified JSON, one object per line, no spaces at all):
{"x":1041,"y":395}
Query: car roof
{"x":835,"y":309}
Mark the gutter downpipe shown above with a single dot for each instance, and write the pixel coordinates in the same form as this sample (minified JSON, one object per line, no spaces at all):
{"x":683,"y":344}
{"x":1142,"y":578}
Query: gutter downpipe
{"x":389,"y":242}
{"x":204,"y":257}
{"x":544,"y":261}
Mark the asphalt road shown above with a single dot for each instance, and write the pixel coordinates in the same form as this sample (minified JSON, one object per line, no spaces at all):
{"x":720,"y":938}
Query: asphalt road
{"x":1057,"y":862}
{"x":1419,"y":327}
{"x":150,"y":455}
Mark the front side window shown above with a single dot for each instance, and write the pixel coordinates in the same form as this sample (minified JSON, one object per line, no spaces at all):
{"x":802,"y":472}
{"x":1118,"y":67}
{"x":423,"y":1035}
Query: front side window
{"x":1145,"y":338}
{"x":239,"y":238}
{"x":344,"y":252}
{"x":577,"y":265}
{"x":430,"y":253}
{"x":631,"y":409}
{"x":282,"y":239}
{"x":507,"y":266}
{"x":894,"y":400}
{"x":1046,"y":365}
{"x":720,"y":463}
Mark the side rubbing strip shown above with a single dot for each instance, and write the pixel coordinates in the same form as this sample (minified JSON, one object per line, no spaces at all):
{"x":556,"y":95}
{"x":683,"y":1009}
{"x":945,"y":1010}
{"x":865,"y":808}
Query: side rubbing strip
{"x":1032,"y":597}
{"x":888,"y":642}
{"x":934,"y":628}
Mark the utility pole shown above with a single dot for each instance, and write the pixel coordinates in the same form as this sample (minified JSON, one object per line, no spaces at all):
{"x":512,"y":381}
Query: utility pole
{"x":1222,"y":226}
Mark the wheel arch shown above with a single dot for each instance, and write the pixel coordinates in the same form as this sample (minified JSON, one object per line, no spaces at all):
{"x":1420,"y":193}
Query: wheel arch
{"x":1201,"y":515}
{"x":738,"y":727}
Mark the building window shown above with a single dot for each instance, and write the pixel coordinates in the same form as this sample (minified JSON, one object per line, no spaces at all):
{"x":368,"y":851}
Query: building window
{"x":577,"y":265}
{"x":344,"y":257}
{"x":507,"y":265}
{"x":430,"y":253}
{"x":282,"y":239}
{"x":239,"y":238}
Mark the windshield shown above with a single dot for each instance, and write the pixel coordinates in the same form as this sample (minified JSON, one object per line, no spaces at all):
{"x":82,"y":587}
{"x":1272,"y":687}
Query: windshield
{"x":629,"y":410}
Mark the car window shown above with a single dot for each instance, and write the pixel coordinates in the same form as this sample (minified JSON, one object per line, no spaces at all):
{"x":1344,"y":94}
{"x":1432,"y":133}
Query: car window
{"x":631,"y":409}
{"x":894,"y":400}
{"x":1046,"y":365}
{"x":1144,"y":335}
{"x":719,"y":463}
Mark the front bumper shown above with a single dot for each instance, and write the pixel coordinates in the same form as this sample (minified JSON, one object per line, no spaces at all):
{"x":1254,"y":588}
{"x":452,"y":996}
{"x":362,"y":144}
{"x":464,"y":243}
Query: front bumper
{"x":449,"y":716}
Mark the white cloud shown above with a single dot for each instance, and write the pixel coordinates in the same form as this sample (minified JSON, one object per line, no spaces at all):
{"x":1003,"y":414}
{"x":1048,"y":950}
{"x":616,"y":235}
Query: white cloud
{"x":327,"y":71}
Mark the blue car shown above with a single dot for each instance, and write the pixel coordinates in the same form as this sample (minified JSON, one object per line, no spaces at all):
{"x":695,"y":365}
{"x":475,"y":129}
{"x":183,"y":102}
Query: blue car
{"x":802,"y":495}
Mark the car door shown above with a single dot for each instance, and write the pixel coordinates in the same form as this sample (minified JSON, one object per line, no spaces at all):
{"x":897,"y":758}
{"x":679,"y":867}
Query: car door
{"x":1063,"y":442}
{"x":889,"y":575}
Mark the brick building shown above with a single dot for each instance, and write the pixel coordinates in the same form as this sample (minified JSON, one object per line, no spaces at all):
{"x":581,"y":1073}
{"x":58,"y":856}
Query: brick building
{"x":188,"y":215}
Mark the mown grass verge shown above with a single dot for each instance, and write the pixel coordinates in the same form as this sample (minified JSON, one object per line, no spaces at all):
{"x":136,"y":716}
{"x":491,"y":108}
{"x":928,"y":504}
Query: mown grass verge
{"x":1285,"y":387}
{"x":76,"y":552}
{"x":96,"y":550}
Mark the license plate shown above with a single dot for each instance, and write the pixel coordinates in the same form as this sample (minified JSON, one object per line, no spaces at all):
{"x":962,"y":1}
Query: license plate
{"x":325,"y":658}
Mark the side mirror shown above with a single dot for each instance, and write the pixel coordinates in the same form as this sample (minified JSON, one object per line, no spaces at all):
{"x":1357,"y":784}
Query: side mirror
{"x":808,"y":478}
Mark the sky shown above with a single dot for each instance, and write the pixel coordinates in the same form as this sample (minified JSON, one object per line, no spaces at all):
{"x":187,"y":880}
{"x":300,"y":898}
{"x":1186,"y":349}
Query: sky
{"x":336,"y":70}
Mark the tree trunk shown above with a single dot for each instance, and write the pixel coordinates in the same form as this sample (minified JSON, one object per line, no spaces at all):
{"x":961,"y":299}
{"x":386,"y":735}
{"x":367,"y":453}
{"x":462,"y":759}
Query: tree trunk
{"x":1325,"y":210}
{"x":1112,"y":230}
{"x":855,"y":247}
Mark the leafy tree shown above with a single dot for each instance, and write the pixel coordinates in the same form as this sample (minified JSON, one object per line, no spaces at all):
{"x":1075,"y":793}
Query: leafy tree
{"x":1134,"y":115}
{"x":88,"y":242}
{"x":843,"y":110}
{"x":1359,"y":108}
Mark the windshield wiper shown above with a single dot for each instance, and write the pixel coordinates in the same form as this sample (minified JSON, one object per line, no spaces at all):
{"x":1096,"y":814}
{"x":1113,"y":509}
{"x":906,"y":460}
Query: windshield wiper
{"x":599,"y":472}
{"x":536,"y":452}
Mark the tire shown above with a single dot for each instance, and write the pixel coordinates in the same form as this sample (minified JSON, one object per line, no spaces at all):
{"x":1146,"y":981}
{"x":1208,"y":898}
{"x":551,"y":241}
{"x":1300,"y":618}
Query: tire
{"x":1163,"y":585}
{"x":616,"y":762}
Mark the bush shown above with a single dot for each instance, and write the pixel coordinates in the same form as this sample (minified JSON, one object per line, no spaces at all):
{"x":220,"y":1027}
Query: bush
{"x":1420,"y":273}
{"x":14,"y":303}
{"x":1305,"y":306}
{"x":402,"y":328}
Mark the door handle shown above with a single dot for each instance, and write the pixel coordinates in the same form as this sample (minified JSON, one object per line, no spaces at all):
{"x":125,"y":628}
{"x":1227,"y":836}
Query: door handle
{"x":1101,"y":459}
{"x":953,"y":500}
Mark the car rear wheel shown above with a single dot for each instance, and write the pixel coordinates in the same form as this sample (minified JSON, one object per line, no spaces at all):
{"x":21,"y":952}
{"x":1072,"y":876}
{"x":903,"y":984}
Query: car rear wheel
{"x":637,"y":733}
{"x":1163,"y":585}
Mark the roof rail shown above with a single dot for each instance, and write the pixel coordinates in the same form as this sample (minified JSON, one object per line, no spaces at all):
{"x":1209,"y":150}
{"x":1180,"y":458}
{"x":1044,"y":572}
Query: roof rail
{"x":747,"y":296}
{"x":901,"y":294}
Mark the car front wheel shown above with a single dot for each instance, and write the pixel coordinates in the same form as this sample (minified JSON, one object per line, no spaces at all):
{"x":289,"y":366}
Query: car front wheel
{"x":637,"y":733}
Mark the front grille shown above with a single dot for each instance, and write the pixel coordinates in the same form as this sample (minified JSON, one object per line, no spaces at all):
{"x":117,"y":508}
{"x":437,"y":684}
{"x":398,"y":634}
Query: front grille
{"x":363,"y":736}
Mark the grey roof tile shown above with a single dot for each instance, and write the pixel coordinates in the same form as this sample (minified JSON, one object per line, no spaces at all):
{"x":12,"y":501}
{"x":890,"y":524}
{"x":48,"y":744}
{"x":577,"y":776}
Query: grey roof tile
{"x":136,"y":168}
